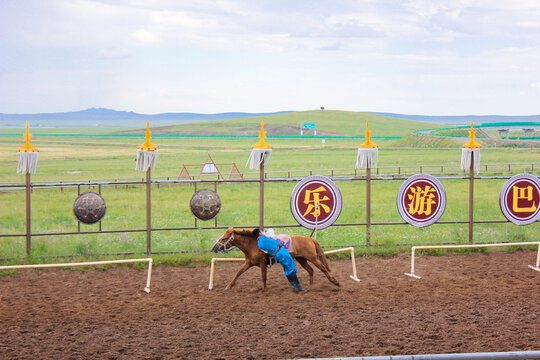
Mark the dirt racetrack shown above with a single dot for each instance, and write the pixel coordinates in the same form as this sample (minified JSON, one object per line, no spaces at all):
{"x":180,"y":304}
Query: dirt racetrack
{"x":477,"y":302}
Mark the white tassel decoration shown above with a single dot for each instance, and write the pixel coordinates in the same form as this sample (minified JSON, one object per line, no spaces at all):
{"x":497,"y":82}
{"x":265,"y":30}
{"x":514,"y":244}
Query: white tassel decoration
{"x":27,"y":162}
{"x":257,"y":157}
{"x":466,"y":159}
{"x":367,"y":158}
{"x":146,"y":159}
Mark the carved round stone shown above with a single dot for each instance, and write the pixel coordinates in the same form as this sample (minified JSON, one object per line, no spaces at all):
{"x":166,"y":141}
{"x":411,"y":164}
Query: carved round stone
{"x":205,"y":204}
{"x":89,"y":207}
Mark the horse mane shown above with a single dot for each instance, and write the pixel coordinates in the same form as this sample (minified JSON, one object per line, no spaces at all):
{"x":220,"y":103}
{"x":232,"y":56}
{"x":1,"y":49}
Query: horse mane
{"x":244,"y":232}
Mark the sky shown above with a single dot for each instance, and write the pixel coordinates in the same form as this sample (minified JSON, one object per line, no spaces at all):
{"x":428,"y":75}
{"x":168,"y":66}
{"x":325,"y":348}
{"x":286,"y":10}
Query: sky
{"x":455,"y":57}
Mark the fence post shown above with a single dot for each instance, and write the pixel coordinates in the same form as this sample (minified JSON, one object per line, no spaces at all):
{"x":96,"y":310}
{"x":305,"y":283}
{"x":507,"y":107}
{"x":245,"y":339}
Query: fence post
{"x":261,"y":195}
{"x":78,"y":221}
{"x":28,"y":216}
{"x":471,"y":198}
{"x":368,"y":205}
{"x":148,"y":212}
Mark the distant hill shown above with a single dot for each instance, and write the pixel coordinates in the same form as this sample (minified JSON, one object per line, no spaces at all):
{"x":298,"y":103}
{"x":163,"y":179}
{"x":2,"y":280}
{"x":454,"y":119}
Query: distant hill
{"x":107,"y":117}
{"x":464,"y":119}
{"x":328,"y":123}
{"x":100,"y":117}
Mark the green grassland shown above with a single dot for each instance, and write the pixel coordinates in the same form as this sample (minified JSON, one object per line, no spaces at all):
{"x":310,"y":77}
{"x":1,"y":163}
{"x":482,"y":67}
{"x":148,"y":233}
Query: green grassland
{"x":75,"y":158}
{"x":338,"y":123}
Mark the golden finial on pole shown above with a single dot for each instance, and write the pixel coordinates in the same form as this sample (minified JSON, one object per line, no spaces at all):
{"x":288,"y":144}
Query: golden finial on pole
{"x":368,"y":144}
{"x":27,"y":147}
{"x":472,"y":144}
{"x":147,"y":144}
{"x":262,"y":144}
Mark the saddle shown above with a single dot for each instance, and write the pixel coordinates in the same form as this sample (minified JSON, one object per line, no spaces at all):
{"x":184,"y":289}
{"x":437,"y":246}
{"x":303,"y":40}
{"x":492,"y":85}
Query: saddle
{"x":285,"y":241}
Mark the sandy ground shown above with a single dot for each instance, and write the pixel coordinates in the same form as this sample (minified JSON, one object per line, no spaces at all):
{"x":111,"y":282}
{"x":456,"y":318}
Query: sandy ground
{"x":476,"y":302}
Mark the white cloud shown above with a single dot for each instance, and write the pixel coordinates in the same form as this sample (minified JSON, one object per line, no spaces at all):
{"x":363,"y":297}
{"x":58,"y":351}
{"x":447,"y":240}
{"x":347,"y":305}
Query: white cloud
{"x":215,"y":54}
{"x":114,"y":54}
{"x":536,"y":85}
{"x":145,"y":37}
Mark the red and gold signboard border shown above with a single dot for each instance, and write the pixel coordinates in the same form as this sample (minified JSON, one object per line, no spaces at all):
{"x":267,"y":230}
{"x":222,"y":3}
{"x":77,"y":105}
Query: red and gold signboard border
{"x":504,"y":194}
{"x":440,"y":206}
{"x":336,"y":210}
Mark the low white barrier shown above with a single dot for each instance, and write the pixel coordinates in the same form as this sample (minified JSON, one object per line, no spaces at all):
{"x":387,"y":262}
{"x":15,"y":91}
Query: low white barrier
{"x":149,"y":276}
{"x":511,"y":355}
{"x":353,"y":261}
{"x":414,"y":248}
{"x":214,"y":260}
{"x":212,"y":265}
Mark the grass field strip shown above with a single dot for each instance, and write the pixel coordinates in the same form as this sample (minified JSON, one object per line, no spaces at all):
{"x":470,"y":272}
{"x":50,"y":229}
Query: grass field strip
{"x":214,"y":260}
{"x":218,"y":227}
{"x":40,"y":266}
{"x":414,"y":248}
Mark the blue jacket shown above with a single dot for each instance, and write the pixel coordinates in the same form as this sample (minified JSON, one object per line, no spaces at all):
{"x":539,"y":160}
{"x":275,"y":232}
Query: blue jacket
{"x":271,"y":246}
{"x":268,"y":245}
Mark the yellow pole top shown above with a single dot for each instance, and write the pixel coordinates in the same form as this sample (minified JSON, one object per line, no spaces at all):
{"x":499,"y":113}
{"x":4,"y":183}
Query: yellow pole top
{"x":472,"y":144}
{"x":147,"y":144}
{"x":27,"y":147}
{"x":262,"y":144}
{"x":368,"y":144}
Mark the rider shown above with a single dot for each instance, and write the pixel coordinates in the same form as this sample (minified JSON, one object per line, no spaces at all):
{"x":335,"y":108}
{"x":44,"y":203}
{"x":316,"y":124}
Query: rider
{"x":271,"y":246}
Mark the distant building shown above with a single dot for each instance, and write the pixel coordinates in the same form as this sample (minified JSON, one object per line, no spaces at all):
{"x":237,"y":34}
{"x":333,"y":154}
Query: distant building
{"x":503,"y":133}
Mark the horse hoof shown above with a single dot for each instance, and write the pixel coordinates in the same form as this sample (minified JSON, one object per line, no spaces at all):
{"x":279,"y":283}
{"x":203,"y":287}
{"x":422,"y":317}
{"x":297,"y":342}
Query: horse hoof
{"x":227,"y":288}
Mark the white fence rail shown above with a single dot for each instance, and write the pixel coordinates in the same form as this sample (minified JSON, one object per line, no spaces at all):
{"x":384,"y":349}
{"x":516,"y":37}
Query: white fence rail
{"x":511,"y":355}
{"x":214,"y":260}
{"x":36,"y":266}
{"x":414,"y":248}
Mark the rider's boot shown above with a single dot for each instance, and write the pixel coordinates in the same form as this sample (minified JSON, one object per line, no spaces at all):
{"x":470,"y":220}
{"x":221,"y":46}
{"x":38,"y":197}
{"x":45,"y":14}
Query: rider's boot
{"x":293,"y":279}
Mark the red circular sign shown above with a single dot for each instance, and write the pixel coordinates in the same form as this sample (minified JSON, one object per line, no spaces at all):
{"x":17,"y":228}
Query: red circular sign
{"x":316,"y":202}
{"x":520,"y":199}
{"x":421,"y":200}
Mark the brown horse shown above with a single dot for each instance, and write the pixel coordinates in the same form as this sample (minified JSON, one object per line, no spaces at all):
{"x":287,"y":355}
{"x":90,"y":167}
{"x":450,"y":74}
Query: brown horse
{"x":304,"y":249}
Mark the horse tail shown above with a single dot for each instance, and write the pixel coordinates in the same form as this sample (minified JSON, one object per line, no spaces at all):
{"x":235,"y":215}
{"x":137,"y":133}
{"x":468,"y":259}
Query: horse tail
{"x":320,"y":254}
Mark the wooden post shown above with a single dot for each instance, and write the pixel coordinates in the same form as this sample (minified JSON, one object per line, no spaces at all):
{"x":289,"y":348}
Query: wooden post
{"x":368,"y":206}
{"x":471,"y":198}
{"x":261,"y":195}
{"x":148,"y":213}
{"x":28,"y":216}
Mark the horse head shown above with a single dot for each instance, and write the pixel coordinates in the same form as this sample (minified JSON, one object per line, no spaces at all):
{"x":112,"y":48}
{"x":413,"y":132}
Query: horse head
{"x":225,"y":241}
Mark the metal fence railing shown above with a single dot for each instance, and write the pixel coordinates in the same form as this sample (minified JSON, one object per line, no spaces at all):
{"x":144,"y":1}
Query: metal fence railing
{"x":488,"y":170}
{"x":497,"y":171}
